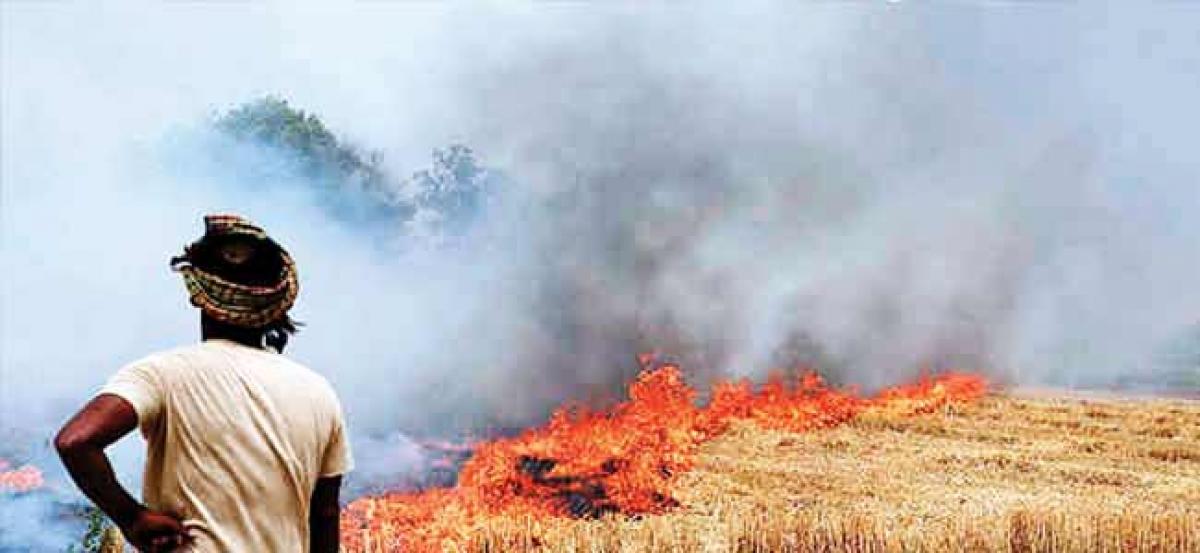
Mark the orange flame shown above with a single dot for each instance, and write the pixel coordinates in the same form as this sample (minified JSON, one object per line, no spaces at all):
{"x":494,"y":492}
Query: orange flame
{"x":585,"y":463}
{"x":24,"y":479}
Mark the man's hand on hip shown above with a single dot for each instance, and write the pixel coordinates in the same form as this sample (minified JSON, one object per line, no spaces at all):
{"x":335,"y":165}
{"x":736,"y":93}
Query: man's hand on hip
{"x":153,"y":532}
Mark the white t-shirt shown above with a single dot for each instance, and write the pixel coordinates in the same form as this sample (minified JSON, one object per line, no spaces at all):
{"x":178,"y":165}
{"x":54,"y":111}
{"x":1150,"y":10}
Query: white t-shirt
{"x":236,"y":440}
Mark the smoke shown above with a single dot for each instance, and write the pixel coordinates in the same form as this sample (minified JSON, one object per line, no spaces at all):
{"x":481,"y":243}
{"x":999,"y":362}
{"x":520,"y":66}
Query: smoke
{"x":873,"y":191}
{"x":869,"y":189}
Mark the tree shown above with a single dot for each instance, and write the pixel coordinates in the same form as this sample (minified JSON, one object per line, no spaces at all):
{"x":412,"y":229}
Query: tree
{"x":450,"y":196}
{"x":455,"y":187}
{"x":351,"y":182}
{"x":434,"y":204}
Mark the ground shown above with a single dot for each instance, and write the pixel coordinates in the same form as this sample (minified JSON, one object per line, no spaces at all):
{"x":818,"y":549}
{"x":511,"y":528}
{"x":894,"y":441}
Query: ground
{"x":1005,"y":473}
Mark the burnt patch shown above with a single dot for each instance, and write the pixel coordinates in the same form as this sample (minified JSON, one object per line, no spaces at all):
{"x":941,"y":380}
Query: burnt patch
{"x":582,"y":495}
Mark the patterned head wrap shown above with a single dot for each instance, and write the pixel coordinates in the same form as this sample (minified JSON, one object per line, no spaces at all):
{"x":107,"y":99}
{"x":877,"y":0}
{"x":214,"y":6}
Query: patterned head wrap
{"x":231,"y":241}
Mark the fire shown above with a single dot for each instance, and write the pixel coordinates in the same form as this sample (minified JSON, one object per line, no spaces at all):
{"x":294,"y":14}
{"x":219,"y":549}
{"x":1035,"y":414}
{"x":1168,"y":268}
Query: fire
{"x":20,"y":480}
{"x":622,"y":460}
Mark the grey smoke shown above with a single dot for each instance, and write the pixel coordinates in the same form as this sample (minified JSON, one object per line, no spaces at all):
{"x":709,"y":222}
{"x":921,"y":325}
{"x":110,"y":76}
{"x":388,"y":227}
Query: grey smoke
{"x":871,"y":189}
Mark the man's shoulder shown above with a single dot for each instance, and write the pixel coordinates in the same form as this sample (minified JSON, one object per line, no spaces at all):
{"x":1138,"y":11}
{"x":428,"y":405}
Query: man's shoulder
{"x":300,"y":374}
{"x":151,"y":370}
{"x":164,"y":358}
{"x":183,"y":357}
{"x":315,"y":380}
{"x":300,"y":370}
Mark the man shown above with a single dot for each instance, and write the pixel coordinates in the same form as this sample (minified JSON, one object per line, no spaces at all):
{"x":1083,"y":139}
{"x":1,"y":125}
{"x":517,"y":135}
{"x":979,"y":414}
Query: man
{"x":246,"y":448}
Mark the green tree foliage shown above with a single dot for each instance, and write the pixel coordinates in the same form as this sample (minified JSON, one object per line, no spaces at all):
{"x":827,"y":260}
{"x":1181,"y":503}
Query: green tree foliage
{"x":93,"y":535}
{"x":454,"y":191}
{"x":440,"y":202}
{"x":353,"y":182}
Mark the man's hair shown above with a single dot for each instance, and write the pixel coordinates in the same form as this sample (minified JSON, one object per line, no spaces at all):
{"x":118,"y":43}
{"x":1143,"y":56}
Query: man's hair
{"x":248,"y":261}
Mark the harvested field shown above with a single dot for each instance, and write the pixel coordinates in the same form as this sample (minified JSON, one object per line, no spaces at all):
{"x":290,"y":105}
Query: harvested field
{"x":1000,"y":474}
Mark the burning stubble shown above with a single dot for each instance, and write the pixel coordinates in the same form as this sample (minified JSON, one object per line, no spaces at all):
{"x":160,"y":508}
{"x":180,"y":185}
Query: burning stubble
{"x":623,"y":462}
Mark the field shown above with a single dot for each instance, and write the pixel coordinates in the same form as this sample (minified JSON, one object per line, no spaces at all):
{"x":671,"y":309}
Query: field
{"x":1002,"y":473}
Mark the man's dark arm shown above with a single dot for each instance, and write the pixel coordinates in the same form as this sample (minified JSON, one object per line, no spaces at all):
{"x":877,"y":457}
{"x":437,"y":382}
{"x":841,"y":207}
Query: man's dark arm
{"x":81,"y":443}
{"x":324,"y":516}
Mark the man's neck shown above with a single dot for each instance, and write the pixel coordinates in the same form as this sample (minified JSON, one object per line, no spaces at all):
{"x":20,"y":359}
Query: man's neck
{"x":213,"y":330}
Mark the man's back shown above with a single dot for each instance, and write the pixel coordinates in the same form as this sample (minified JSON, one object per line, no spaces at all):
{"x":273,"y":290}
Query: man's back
{"x":237,"y":439}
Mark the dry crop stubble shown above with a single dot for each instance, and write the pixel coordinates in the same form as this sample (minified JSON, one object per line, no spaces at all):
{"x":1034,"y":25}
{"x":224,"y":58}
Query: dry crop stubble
{"x":1004,"y":473}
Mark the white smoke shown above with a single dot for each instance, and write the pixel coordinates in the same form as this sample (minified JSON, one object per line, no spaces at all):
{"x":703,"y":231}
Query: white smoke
{"x":875,"y":189}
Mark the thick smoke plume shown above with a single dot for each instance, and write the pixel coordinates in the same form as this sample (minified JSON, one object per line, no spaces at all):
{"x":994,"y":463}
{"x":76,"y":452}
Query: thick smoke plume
{"x":871,"y":190}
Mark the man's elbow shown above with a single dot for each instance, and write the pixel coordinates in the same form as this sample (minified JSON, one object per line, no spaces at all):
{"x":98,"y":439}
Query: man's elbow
{"x":69,"y":443}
